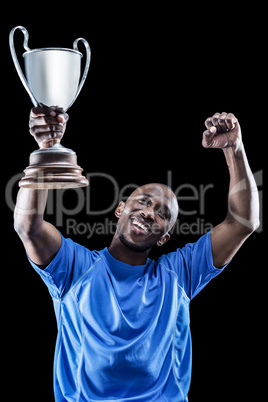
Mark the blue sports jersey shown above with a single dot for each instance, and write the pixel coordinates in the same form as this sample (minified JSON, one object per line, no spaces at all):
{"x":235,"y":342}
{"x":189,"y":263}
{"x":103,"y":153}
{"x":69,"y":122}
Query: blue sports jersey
{"x":123,"y":330}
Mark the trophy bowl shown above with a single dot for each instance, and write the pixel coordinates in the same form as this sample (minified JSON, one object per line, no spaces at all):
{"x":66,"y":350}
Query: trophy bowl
{"x":52,"y":78}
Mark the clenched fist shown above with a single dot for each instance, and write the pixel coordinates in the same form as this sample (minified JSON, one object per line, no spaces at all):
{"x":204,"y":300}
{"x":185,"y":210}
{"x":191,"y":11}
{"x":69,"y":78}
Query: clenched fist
{"x":47,"y":125}
{"x":223,"y":131}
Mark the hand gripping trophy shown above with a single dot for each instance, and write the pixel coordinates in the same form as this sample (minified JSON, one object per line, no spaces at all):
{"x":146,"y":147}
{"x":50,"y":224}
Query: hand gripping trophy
{"x":52,"y":79}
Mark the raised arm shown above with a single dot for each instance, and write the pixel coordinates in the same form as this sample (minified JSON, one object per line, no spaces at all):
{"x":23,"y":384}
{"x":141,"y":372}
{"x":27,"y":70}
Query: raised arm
{"x":40,"y":239}
{"x":224,"y":132}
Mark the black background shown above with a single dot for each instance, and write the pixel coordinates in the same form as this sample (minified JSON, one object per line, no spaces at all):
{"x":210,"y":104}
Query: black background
{"x":137,"y":117}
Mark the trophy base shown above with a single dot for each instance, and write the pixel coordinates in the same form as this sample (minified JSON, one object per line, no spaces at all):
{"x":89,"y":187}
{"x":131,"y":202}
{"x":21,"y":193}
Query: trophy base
{"x":53,"y":168}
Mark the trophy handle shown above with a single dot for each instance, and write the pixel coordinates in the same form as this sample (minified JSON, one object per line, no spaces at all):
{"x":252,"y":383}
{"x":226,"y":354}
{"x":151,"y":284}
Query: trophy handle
{"x":16,"y":62}
{"x":88,"y":55}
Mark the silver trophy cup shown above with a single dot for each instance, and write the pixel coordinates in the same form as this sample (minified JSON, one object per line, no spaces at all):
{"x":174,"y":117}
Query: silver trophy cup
{"x":52,"y":78}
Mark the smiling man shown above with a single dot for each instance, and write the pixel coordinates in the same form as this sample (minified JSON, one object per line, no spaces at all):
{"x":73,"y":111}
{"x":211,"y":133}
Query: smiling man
{"x":145,"y":220}
{"x":123,"y":319}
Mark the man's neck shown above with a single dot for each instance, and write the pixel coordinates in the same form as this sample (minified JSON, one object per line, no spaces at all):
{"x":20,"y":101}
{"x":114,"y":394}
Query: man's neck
{"x":125,"y":254}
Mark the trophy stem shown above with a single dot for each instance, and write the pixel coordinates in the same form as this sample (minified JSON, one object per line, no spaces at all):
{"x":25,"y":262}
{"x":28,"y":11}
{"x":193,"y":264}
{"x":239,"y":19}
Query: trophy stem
{"x":53,"y":168}
{"x":55,"y":148}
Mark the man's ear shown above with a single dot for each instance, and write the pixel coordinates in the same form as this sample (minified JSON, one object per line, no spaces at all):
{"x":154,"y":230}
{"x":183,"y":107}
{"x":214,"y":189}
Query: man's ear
{"x":163,"y":240}
{"x":119,"y":209}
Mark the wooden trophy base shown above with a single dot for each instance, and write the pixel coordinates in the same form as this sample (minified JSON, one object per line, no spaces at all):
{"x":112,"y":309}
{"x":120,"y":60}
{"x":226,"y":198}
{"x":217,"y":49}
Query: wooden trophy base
{"x":53,"y":168}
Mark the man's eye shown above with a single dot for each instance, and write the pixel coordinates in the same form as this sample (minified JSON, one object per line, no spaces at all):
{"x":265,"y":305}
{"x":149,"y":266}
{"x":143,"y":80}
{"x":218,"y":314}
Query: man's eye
{"x":162,"y":215}
{"x":143,"y":201}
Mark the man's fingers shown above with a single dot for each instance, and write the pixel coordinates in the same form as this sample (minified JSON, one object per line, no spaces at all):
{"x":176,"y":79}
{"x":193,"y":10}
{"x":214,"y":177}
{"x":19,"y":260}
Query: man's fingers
{"x":43,"y":121}
{"x":47,"y":123}
{"x":230,"y":121}
{"x":39,"y":111}
{"x":210,"y":132}
{"x":211,"y":121}
{"x":58,"y":109}
{"x":52,"y":111}
{"x":45,"y":129}
{"x":215,"y":121}
{"x":223,"y":122}
{"x":208,"y":122}
{"x":208,"y":137}
{"x":62,"y":118}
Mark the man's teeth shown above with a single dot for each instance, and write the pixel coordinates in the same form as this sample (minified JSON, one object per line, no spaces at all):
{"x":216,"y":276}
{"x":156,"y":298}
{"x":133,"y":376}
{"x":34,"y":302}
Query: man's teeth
{"x":140,"y":225}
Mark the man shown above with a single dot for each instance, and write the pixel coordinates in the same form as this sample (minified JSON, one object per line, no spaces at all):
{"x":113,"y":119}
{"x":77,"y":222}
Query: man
{"x":123,"y":319}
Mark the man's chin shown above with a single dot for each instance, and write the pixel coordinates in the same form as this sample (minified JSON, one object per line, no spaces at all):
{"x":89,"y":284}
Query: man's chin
{"x":134,"y":246}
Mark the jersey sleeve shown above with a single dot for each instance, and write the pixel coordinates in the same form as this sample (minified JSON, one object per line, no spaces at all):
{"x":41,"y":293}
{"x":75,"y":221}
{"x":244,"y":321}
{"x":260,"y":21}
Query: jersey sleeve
{"x":193,"y":265}
{"x":67,"y":267}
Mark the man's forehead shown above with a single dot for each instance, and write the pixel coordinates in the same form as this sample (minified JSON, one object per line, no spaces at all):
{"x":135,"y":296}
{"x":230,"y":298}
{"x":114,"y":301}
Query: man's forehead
{"x":159,"y":191}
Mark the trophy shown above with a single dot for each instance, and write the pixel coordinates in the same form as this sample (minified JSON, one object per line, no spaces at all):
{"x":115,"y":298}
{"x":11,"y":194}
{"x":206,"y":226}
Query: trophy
{"x":53,"y":76}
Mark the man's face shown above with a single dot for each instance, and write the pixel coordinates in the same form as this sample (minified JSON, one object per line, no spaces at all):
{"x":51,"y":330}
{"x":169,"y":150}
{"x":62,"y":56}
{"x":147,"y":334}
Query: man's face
{"x":146,"y":217}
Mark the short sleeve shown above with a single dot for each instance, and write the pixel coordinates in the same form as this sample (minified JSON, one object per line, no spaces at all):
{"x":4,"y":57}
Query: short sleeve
{"x":69,"y":264}
{"x":193,"y":265}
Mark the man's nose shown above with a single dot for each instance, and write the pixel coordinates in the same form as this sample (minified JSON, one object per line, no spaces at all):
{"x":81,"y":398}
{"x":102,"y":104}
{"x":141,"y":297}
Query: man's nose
{"x":148,"y":213}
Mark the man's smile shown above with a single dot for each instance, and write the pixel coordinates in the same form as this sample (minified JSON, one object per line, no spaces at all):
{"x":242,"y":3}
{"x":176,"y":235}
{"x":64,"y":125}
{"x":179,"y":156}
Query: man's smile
{"x":139,"y":226}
